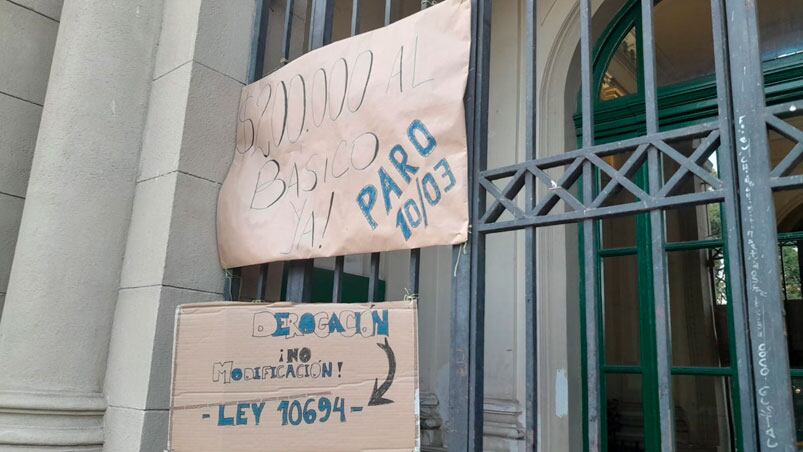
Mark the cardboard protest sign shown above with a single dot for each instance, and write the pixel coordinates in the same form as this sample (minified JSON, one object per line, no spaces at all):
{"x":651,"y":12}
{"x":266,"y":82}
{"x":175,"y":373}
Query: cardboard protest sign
{"x":356,"y":147}
{"x":300,"y":377}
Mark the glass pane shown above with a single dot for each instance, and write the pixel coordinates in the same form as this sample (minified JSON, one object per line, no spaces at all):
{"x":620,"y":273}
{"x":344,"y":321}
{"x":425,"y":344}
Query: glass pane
{"x":619,"y":232}
{"x":797,"y":400}
{"x":781,"y":144}
{"x":698,"y":308}
{"x":789,"y":210}
{"x":621,"y":75}
{"x":702,"y":414}
{"x":789,"y":215}
{"x":621,"y":310}
{"x":625,"y":413}
{"x":687,"y":223}
{"x":780,"y":28}
{"x":684,"y":43}
{"x":791,"y":263}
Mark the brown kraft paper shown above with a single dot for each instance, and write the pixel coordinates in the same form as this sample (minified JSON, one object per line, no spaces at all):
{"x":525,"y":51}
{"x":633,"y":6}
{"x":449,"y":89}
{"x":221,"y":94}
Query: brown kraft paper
{"x":356,"y":147}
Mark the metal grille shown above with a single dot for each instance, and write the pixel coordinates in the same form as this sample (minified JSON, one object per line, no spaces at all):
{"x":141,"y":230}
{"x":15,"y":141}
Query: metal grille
{"x":300,"y":272}
{"x":524,"y":196}
{"x":744,"y":184}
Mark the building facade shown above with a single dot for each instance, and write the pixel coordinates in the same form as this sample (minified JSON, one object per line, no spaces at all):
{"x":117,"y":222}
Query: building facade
{"x":632,"y":281}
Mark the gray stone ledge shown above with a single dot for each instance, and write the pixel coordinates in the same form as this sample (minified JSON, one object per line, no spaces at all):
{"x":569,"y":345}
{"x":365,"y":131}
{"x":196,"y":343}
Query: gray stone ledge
{"x":61,"y":401}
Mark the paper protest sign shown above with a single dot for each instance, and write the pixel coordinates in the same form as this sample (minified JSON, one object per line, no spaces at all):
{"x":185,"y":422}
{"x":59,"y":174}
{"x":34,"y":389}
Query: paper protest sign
{"x":300,"y":377}
{"x":356,"y":147}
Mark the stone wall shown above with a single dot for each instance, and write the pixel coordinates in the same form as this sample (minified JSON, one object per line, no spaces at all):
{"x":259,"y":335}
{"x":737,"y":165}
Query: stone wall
{"x":28,"y":32}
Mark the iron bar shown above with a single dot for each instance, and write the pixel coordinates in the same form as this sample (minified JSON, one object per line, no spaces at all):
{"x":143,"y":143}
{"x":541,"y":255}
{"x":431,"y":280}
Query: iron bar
{"x":260,"y":37}
{"x":388,"y":12}
{"x":373,"y":278}
{"x":262,"y":282}
{"x":476,"y":356}
{"x":299,"y":273}
{"x":415,"y":271}
{"x":704,"y":197}
{"x":355,"y":17}
{"x":591,"y":355}
{"x":784,"y":109}
{"x":776,"y":422}
{"x":299,"y":280}
{"x":530,"y":239}
{"x":466,"y":384}
{"x":661,"y":318}
{"x":231,"y":286}
{"x":730,"y":233}
{"x":337,"y":280}
{"x":321,"y":25}
{"x":288,"y":31}
{"x":786,"y":182}
{"x":415,"y":253}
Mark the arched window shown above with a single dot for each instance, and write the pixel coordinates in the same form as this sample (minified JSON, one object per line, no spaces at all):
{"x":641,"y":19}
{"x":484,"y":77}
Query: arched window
{"x":685,"y":64}
{"x":705,"y":384}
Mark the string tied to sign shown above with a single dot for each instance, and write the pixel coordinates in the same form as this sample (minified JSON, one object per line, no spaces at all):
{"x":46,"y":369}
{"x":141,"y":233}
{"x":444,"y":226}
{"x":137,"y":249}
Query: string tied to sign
{"x":463,"y":250}
{"x":410,"y":296}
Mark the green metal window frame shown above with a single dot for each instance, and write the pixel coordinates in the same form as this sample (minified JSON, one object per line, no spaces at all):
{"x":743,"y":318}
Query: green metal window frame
{"x":679,"y":105}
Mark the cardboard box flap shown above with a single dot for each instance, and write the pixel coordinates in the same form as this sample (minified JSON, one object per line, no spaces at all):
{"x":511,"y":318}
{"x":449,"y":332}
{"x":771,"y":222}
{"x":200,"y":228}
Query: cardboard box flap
{"x":284,"y":376}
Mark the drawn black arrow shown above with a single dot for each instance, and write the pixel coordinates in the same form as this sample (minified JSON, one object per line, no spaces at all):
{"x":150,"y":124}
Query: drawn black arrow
{"x":380,"y":390}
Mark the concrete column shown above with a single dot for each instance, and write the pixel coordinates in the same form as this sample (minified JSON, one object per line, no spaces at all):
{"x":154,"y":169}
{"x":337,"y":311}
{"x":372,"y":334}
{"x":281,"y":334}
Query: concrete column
{"x":58,"y":311}
{"x":171,"y":255}
{"x":28,"y":33}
